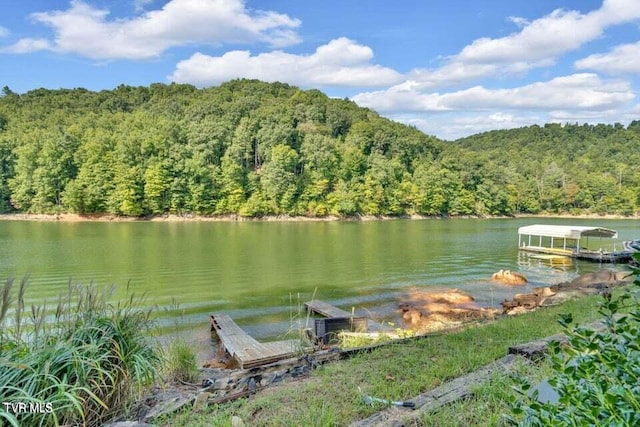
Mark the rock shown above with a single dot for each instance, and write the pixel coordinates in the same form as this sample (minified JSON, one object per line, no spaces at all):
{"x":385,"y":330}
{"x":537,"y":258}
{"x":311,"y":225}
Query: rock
{"x":543,"y":292}
{"x":168,"y":405}
{"x":446,"y":296}
{"x":598,"y":282}
{"x":412,"y":317}
{"x":201,"y":401}
{"x":516,"y":311}
{"x":236,"y":421}
{"x":545,"y":393}
{"x":509,"y":277}
{"x":526,"y":302}
{"x":433,"y":310}
{"x":599,"y":279}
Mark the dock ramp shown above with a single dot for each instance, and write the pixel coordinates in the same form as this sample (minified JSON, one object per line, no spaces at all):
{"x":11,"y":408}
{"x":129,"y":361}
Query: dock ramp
{"x":247,"y":351}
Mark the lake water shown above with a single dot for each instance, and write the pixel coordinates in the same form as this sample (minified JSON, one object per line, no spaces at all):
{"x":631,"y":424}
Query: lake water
{"x":261,"y":272}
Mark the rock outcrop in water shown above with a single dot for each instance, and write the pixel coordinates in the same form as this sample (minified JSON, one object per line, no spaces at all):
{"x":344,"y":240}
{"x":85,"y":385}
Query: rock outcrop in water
{"x":509,"y":277}
{"x":598,"y":282}
{"x":425,"y":311}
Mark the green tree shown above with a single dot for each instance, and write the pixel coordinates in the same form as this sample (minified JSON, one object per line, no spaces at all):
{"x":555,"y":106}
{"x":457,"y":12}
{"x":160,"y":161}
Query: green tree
{"x":278,"y":176}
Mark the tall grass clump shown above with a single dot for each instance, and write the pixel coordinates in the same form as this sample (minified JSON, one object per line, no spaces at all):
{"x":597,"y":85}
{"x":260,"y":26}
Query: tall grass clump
{"x":180,"y":364}
{"x":180,"y":361}
{"x":81,"y":362}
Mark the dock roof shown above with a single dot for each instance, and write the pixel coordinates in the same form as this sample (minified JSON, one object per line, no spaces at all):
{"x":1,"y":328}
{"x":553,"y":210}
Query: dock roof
{"x":567,"y":231}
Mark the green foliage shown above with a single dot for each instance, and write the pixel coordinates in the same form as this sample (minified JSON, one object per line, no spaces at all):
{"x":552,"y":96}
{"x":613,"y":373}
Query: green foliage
{"x":180,"y":362}
{"x":596,"y":374}
{"x":86,"y":358}
{"x":254,"y":148}
{"x":572,"y":168}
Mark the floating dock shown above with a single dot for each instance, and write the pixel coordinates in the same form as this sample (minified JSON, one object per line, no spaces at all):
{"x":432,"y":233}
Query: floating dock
{"x":613,"y":257}
{"x":247,"y":351}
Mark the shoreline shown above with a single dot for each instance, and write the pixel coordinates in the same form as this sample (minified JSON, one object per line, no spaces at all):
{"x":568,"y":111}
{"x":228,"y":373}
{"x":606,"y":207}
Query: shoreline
{"x":69,"y":217}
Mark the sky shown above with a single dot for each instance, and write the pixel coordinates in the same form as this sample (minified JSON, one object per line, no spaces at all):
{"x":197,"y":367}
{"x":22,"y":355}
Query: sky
{"x":450,"y":68}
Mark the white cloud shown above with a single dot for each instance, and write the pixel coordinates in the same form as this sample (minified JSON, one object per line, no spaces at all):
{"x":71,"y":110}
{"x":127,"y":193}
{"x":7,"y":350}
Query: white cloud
{"x":519,"y":21}
{"x":27,"y":46}
{"x":582,"y":91}
{"x":623,"y":59}
{"x":619,"y":11}
{"x":141,"y":5}
{"x":450,"y":74}
{"x":404,"y":97}
{"x":538,"y":43}
{"x":341,"y":62}
{"x":3,"y":31}
{"x":85,"y":30}
{"x":578,"y":92}
{"x":543,"y":38}
{"x":583,"y":116}
{"x":467,"y":125}
{"x":451,"y":126}
{"x":423,"y":101}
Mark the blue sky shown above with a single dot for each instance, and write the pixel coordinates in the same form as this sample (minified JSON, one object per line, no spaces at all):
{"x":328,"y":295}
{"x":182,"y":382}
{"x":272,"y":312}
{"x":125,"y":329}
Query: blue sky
{"x":451,"y":68}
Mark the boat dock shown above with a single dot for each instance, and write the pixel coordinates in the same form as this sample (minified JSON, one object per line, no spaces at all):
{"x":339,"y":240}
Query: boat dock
{"x":327,"y":310}
{"x":247,"y":351}
{"x":572,"y":242}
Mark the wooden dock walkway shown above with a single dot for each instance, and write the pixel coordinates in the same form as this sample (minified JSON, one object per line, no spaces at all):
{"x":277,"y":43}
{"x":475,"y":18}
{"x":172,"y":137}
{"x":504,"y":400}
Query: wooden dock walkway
{"x":327,"y":310}
{"x":247,"y":351}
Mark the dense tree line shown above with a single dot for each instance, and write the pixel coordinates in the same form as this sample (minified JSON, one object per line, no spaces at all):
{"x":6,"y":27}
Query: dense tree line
{"x":253,"y":148}
{"x":571,"y":168}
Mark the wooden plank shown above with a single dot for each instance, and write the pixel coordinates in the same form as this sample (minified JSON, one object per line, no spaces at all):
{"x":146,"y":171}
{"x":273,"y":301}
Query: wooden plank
{"x":446,"y":393}
{"x":244,"y":349}
{"x":536,"y":349}
{"x":240,"y":345}
{"x":328,"y":310}
{"x":284,"y":347}
{"x":462,"y":387}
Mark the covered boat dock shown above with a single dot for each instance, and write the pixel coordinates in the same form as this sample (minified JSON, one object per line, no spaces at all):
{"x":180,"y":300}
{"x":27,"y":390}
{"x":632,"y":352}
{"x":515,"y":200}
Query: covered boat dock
{"x":573,"y":241}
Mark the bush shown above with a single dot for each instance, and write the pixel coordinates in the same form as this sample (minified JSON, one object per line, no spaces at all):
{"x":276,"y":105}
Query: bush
{"x":596,"y":374}
{"x":80,"y":364}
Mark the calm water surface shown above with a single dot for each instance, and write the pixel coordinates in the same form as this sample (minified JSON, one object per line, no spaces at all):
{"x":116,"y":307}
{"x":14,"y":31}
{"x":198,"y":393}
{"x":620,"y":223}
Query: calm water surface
{"x":259,"y":272}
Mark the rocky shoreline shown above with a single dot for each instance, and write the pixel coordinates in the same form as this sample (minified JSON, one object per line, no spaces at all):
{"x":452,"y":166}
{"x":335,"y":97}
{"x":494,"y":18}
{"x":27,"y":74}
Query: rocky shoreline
{"x":71,"y":217}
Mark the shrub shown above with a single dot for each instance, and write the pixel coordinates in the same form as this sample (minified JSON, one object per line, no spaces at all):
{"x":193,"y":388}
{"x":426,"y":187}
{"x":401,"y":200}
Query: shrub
{"x":596,"y":374}
{"x":80,"y":364}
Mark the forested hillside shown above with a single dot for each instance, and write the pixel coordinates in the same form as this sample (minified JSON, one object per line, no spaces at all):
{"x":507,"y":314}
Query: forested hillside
{"x":253,"y":148}
{"x":571,"y":168}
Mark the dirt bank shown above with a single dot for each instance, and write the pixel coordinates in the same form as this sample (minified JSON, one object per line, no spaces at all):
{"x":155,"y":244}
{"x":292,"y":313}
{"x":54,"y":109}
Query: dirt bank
{"x":71,"y":217}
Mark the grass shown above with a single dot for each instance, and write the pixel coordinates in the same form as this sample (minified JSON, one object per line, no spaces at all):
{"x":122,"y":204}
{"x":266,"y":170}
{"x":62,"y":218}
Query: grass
{"x":86,"y":358}
{"x":179,"y":359}
{"x":488,"y":403}
{"x":396,"y":371}
{"x":180,"y":362}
